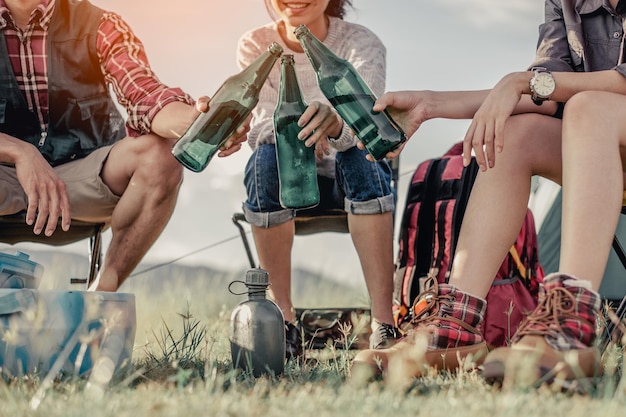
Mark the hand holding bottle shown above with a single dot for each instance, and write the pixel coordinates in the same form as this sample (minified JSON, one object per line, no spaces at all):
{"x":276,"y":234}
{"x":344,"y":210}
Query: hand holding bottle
{"x":319,"y":122}
{"x":233,"y":144}
{"x":232,"y":104}
{"x":407,"y":108}
{"x":350,"y":95}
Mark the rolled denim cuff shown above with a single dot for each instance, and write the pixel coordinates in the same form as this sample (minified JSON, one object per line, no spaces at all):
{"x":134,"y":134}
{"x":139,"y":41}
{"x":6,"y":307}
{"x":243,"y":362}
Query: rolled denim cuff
{"x":270,"y":219}
{"x":376,"y":206}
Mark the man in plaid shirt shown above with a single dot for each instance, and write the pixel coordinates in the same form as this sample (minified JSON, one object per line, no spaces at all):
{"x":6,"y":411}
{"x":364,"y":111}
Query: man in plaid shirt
{"x":65,"y":151}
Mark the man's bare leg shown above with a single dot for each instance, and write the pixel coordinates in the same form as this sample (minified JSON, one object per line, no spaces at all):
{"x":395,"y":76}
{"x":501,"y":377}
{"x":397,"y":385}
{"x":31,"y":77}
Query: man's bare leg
{"x":146,"y":175}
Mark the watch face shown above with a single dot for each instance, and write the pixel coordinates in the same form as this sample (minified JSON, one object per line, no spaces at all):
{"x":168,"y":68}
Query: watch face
{"x":544,"y":85}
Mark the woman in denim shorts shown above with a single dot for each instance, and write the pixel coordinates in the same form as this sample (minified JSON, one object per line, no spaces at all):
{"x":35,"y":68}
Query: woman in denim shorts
{"x":347,"y":179}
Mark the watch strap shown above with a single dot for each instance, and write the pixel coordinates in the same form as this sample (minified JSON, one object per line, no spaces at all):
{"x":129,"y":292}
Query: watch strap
{"x":533,"y":94}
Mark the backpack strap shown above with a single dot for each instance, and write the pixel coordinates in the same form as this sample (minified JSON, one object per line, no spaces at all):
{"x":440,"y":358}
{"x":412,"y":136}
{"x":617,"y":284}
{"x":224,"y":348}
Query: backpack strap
{"x":424,"y":245}
{"x":518,"y":262}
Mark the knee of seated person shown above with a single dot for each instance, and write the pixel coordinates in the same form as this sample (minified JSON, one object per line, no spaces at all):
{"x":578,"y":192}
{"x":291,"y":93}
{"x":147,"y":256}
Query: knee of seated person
{"x":519,"y":129}
{"x":586,"y":104}
{"x":155,"y":154}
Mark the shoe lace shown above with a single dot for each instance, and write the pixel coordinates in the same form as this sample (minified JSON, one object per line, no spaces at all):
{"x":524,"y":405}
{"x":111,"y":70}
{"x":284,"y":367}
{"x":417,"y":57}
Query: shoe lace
{"x":427,"y":308}
{"x":557,"y":304}
{"x":387,"y":332}
{"x":428,"y":304}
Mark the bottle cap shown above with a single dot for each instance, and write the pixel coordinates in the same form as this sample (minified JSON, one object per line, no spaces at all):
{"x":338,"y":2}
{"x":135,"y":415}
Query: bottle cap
{"x":257,"y":276}
{"x":275,"y":49}
{"x":287,"y":58}
{"x":301,"y":30}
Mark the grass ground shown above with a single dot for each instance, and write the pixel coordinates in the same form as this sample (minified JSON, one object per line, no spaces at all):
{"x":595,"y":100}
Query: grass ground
{"x":188,"y":372}
{"x":181,"y":367}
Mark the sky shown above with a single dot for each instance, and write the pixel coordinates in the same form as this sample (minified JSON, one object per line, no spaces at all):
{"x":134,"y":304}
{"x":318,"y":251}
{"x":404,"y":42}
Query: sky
{"x":431,"y":44}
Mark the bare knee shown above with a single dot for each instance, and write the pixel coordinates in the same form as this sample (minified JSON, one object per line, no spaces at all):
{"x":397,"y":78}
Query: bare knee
{"x":585,"y":105}
{"x":524,"y":136}
{"x":590,"y":114}
{"x":588,"y":109}
{"x":157,"y":166}
{"x":144,"y":161}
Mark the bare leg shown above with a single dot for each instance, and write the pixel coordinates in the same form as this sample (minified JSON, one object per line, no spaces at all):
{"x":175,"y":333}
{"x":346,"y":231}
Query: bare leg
{"x":273,"y":246}
{"x":499,"y":200}
{"x":372,"y":235}
{"x":594,"y":135}
{"x":143,"y":171}
{"x":593,"y":143}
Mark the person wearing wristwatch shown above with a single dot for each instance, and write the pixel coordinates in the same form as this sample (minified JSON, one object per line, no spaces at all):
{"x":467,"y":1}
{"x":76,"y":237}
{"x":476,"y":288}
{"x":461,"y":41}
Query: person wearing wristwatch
{"x":516,"y":132}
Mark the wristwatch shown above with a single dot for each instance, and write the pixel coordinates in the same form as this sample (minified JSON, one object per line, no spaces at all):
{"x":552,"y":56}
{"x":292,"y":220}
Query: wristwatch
{"x":542,"y":85}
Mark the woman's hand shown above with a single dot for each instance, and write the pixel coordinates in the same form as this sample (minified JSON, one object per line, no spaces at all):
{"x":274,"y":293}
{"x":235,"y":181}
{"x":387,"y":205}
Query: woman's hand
{"x":318,"y":122}
{"x":485,"y":134}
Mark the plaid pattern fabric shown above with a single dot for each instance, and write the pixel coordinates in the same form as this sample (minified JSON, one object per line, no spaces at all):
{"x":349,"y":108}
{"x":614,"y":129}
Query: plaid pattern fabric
{"x":27,"y":53}
{"x":565,"y":316}
{"x":122,"y":59}
{"x":125,"y":65}
{"x":451,"y":316}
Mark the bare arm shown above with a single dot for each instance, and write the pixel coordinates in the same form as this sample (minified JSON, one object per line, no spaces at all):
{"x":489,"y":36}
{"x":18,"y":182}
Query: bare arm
{"x":486,"y":132}
{"x":45,"y":191}
{"x":412,"y":108}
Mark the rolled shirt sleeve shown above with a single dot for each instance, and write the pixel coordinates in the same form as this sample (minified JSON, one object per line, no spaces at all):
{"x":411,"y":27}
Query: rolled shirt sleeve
{"x":126,"y":68}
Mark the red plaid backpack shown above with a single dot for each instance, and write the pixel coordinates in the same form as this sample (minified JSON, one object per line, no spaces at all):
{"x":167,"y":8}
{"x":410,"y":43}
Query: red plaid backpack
{"x":431,"y":221}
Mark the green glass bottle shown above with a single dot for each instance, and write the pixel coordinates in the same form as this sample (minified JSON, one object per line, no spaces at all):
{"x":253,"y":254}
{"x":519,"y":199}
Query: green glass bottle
{"x":297,"y":172}
{"x":351,"y":96}
{"x":228,"y":109}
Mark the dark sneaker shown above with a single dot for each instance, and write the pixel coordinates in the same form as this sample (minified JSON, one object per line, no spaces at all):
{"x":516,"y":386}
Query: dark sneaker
{"x":444,"y":336}
{"x":293,"y":341}
{"x":385,"y":336}
{"x":555,"y":341}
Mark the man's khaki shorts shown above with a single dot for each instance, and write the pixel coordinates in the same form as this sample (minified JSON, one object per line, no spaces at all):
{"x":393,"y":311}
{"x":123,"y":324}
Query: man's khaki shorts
{"x":90,"y":199}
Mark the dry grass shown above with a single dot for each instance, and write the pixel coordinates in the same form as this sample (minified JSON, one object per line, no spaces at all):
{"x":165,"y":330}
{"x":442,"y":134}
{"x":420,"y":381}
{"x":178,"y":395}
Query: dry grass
{"x":182,"y":367}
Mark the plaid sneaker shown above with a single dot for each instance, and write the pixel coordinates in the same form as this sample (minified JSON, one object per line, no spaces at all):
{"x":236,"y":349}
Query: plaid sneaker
{"x":293,"y":341}
{"x":444,"y":334}
{"x":384,"y":336}
{"x":555,"y":340}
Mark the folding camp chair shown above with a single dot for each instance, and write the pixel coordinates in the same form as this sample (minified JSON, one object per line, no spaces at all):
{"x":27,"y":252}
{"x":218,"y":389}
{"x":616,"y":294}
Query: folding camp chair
{"x":334,"y":220}
{"x":13,"y":230}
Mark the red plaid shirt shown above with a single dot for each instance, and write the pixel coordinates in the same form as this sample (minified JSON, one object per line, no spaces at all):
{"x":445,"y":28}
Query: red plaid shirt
{"x":122,"y":59}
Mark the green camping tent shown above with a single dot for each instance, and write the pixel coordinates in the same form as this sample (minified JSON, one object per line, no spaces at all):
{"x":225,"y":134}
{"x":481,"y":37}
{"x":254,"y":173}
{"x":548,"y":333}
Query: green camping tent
{"x":549,"y":242}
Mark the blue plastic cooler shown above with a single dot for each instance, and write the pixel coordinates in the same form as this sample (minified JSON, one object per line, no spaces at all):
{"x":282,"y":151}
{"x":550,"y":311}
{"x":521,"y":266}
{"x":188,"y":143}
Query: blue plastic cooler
{"x":65,"y":331}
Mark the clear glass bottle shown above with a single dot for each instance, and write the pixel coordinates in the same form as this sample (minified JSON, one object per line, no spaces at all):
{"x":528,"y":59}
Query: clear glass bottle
{"x":228,"y":109}
{"x":297,"y":171}
{"x":257,"y":329}
{"x":351,"y":96}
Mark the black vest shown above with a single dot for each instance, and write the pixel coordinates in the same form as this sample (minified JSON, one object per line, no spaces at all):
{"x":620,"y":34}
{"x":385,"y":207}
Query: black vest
{"x":82,"y":115}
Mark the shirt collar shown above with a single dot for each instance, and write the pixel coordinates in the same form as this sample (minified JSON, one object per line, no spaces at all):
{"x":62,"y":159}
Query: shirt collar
{"x":43,"y":13}
{"x":589,"y":6}
{"x":4,"y":15}
{"x":46,"y":7}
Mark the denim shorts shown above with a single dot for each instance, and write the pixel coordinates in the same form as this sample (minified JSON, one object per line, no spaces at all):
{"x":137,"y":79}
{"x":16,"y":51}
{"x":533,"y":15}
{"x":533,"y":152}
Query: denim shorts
{"x":359,"y":187}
